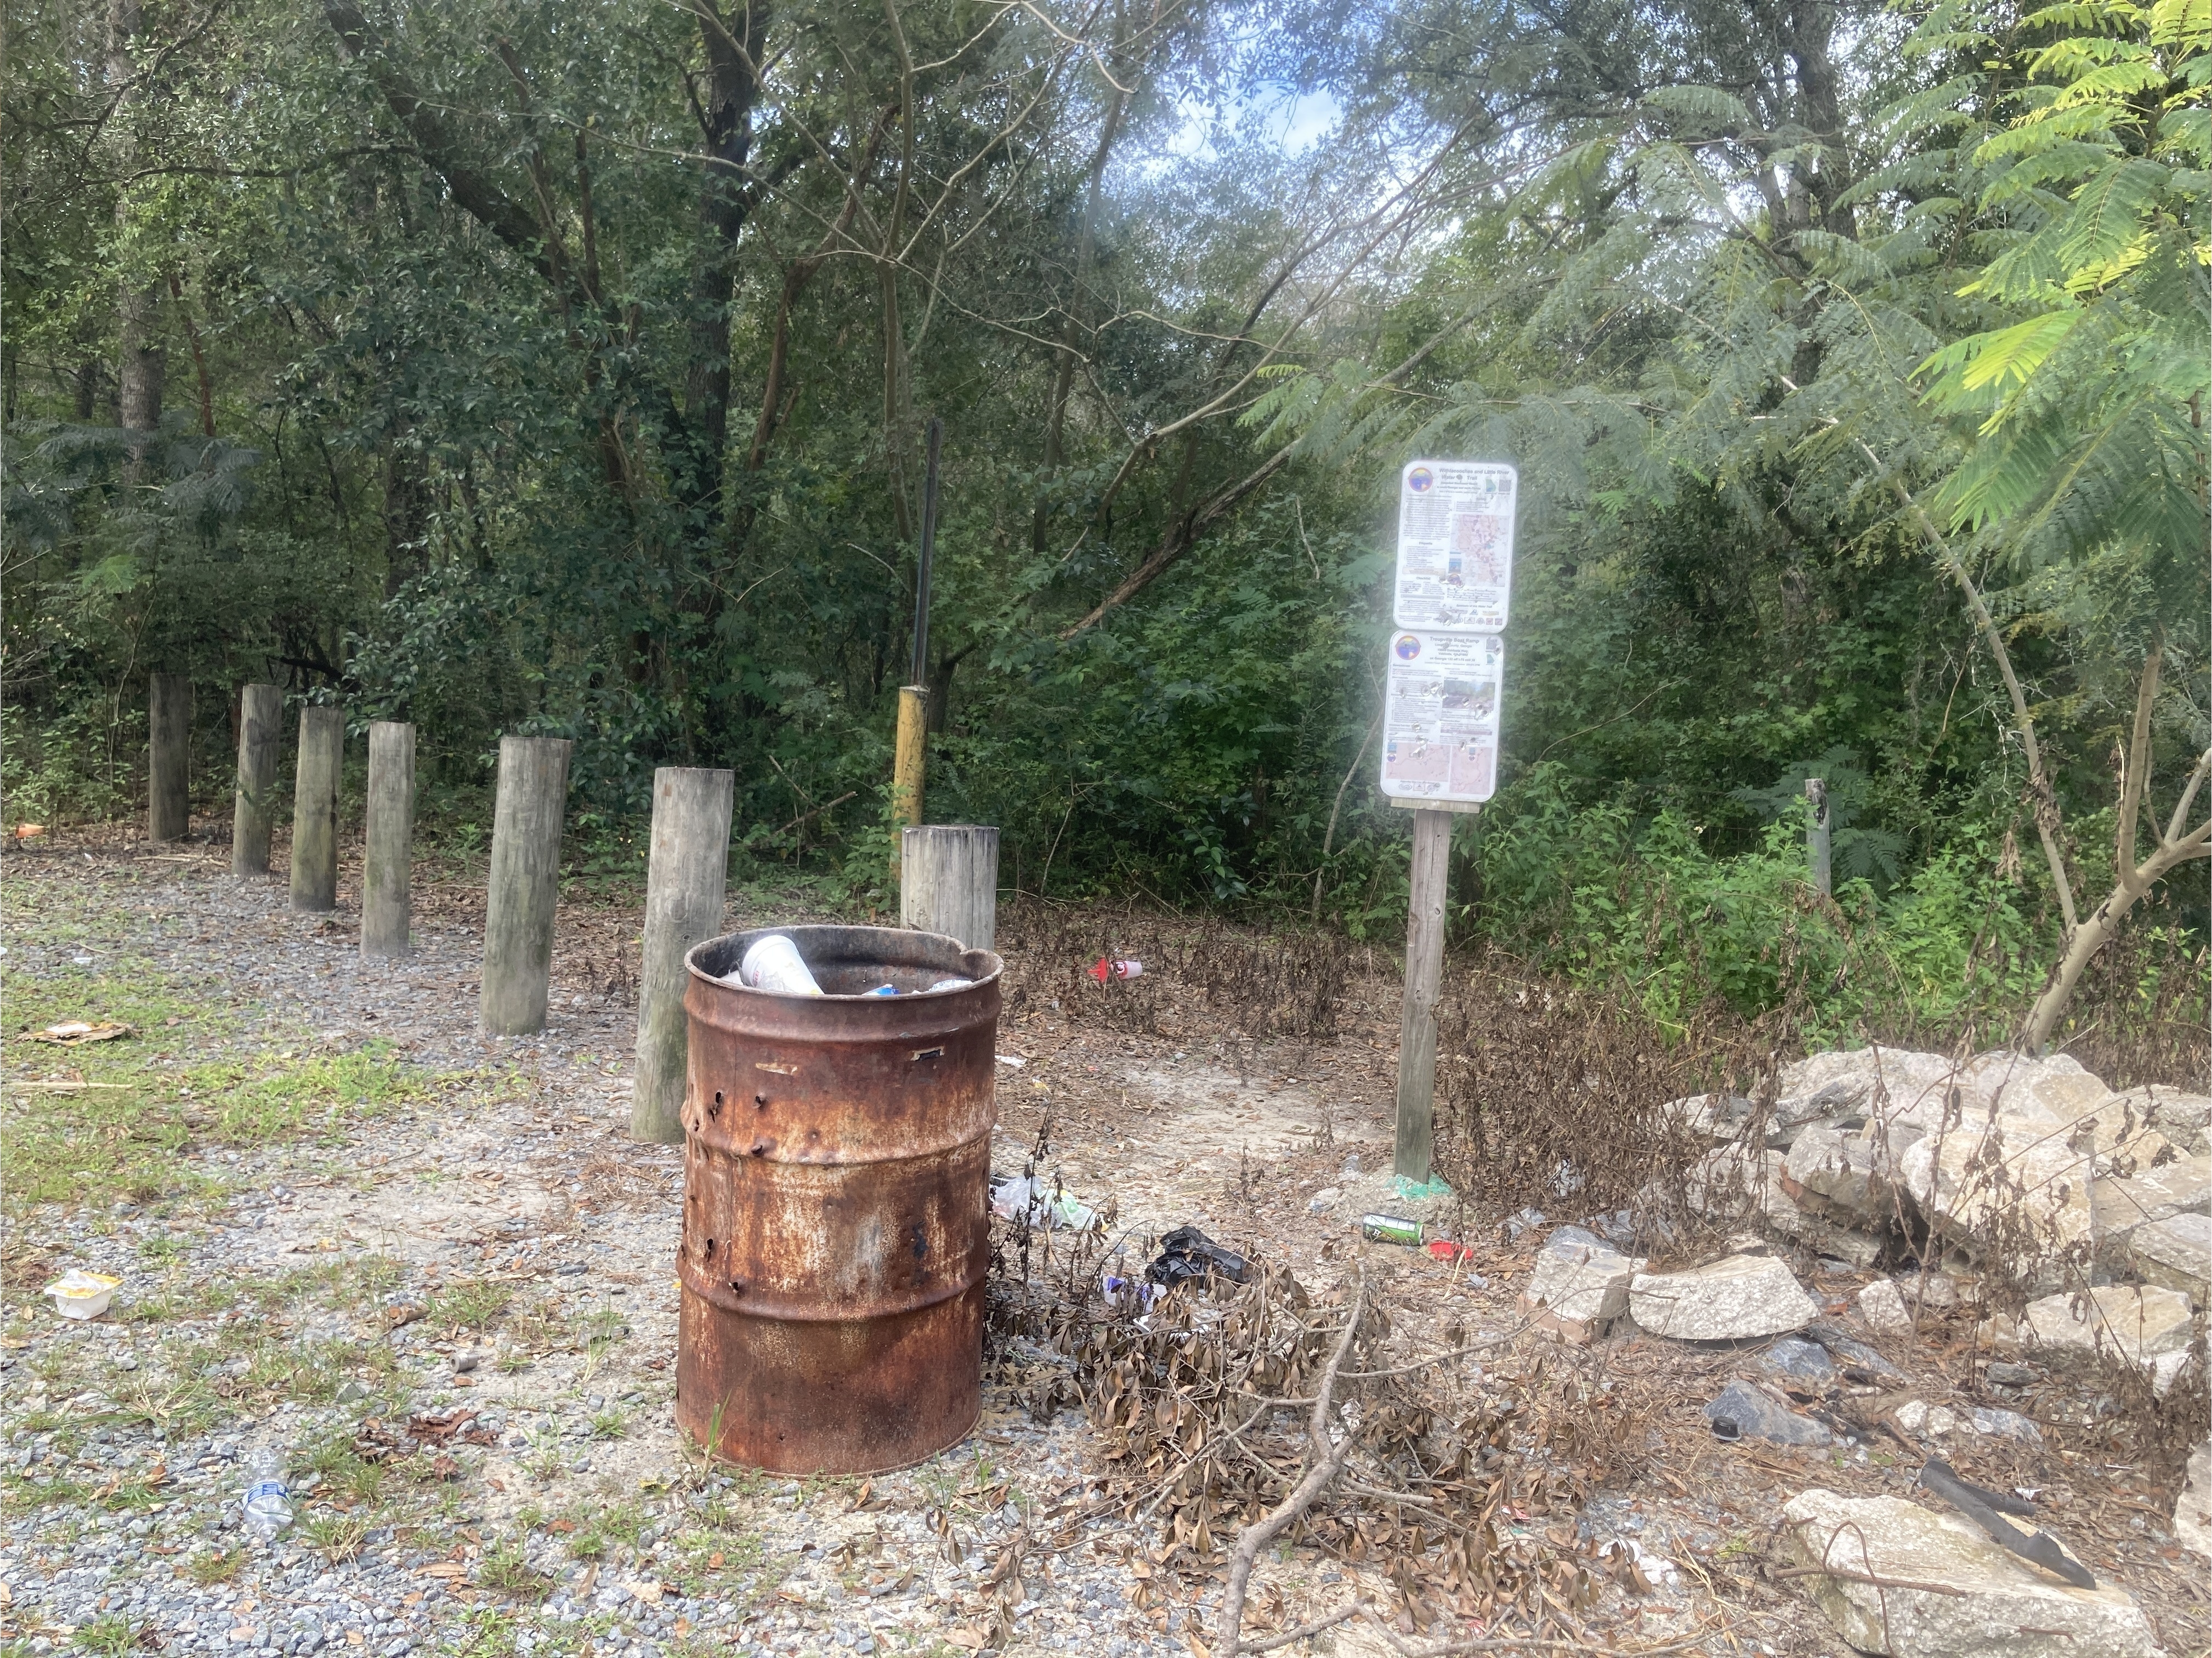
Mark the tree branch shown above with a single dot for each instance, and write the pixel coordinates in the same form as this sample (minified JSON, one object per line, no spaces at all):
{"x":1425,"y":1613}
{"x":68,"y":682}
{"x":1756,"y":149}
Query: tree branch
{"x":1324,"y":1462}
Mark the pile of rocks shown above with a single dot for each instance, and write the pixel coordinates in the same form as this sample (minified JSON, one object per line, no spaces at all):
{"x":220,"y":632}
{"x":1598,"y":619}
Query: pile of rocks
{"x":2030,"y":1162}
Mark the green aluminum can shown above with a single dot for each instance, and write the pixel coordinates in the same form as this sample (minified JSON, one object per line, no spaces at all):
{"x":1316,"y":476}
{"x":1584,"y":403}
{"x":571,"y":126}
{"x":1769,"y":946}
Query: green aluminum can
{"x":1391,"y":1229}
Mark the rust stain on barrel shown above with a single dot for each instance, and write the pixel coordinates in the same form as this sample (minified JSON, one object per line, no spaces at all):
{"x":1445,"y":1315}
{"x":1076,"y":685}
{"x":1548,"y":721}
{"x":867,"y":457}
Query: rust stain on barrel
{"x":835,"y":1233}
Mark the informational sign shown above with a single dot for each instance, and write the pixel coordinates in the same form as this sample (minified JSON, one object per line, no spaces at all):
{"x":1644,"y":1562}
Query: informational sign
{"x":1440,"y":715}
{"x":1455,"y":544}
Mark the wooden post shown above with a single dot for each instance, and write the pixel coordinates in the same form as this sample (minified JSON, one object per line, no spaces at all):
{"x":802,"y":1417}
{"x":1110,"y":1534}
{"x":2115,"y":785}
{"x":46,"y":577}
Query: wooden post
{"x":1424,"y":966}
{"x":1816,"y":837}
{"x":524,"y":883}
{"x":909,"y":759}
{"x":388,"y":840}
{"x":687,"y":877}
{"x":315,"y":809}
{"x":253,"y":803}
{"x":949,"y":882}
{"x":168,"y":740}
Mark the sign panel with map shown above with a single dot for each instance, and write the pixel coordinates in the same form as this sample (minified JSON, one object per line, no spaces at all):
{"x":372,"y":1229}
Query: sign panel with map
{"x":1440,"y":716}
{"x":1455,"y":544}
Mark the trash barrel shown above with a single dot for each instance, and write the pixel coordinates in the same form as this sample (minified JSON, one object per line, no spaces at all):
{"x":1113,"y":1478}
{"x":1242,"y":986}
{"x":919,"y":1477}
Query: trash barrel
{"x":836,"y":1161}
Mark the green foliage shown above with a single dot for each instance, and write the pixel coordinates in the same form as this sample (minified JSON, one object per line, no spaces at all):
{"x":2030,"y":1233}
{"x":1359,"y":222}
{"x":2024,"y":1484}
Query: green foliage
{"x":591,"y":403}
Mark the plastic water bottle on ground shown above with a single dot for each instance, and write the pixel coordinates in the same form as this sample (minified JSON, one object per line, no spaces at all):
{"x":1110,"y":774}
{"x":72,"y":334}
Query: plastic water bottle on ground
{"x":268,"y":1503}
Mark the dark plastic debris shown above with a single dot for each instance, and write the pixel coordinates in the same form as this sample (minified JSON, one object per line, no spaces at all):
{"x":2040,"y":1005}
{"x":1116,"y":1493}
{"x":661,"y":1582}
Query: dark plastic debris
{"x":1186,"y":1254}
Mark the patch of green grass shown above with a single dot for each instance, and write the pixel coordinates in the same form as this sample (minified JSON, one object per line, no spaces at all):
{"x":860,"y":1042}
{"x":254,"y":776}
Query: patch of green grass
{"x":485,"y":1632}
{"x":505,"y":1569}
{"x":108,"y":1635}
{"x":336,"y":1536}
{"x":127,"y":1134}
{"x":472,"y":1305}
{"x":211,"y":1566}
{"x":609,"y":1425}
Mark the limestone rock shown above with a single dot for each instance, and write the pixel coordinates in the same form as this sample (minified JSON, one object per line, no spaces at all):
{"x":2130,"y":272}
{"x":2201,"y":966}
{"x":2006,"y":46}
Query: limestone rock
{"x":1981,"y":1601}
{"x":1741,"y":1411}
{"x":1580,"y":1285}
{"x":2192,"y":1513}
{"x":2004,"y":1425}
{"x":1925,"y":1421}
{"x":1735,"y":1297}
{"x":2137,"y":1324}
{"x":2174,"y":1254}
{"x":2182,"y":1185}
{"x":1892,"y":1084}
{"x":1881,"y":1303}
{"x":2008,"y":1181}
{"x":1852,"y":1174}
{"x":1805,"y":1363}
{"x":2184,"y":1117}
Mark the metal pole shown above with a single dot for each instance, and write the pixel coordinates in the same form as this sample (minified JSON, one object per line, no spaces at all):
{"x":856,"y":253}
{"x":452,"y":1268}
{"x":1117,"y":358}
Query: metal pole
{"x":1816,"y":835}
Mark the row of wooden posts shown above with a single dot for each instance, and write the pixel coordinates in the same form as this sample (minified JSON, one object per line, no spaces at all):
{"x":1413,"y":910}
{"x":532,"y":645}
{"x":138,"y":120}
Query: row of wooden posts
{"x":949,"y":872}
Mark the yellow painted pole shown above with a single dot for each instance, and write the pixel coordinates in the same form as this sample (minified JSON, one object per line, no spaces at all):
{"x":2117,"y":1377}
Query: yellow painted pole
{"x":910,"y":760}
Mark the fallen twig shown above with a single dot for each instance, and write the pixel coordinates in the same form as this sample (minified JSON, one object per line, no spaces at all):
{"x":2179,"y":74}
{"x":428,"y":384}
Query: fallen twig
{"x":1328,"y":1457}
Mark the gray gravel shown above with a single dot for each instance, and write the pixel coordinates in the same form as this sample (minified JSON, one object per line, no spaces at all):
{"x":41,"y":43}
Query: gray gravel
{"x":259,"y":1315}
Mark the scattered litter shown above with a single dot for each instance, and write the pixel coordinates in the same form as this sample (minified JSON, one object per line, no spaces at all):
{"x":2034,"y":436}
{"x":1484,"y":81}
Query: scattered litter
{"x":73,"y":1033}
{"x":1186,"y":1254}
{"x":882,"y":990}
{"x":1527,"y":1220}
{"x":1742,"y":1412}
{"x":25,"y":831}
{"x":1392,"y":1228}
{"x":1013,"y":1196}
{"x":1982,"y":1507}
{"x":1012,"y":1061}
{"x":1324,"y":1200}
{"x":1101,"y":969}
{"x":1127,"y":1291}
{"x":268,"y":1503}
{"x":1445,"y":1249}
{"x":1657,"y":1570}
{"x":1412,"y":1191}
{"x":79,"y":1293}
{"x":775,"y":964}
{"x":949,"y":984}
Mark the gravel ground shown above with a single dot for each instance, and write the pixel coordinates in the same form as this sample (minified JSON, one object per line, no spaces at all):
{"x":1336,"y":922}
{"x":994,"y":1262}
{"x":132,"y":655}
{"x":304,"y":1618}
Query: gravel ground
{"x":440,"y":1290}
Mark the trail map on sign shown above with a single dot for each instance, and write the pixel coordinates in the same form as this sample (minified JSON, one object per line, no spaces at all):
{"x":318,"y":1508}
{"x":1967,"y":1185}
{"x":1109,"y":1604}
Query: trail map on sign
{"x":1455,"y":544}
{"x":1440,"y":716}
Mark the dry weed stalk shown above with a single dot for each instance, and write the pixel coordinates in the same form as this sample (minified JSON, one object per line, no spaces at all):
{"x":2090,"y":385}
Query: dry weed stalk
{"x":1233,"y":1415}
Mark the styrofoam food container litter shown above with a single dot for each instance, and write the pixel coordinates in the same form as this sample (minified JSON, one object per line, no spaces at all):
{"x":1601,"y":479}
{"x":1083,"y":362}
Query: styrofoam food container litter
{"x":80,"y":1294}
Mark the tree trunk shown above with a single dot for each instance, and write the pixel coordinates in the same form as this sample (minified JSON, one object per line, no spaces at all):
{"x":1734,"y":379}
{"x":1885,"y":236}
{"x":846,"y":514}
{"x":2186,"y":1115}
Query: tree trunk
{"x":141,"y":364}
{"x":732,"y":49}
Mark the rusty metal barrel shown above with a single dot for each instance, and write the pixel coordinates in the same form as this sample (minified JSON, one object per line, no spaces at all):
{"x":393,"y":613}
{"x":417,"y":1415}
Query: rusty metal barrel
{"x":837,"y":1166}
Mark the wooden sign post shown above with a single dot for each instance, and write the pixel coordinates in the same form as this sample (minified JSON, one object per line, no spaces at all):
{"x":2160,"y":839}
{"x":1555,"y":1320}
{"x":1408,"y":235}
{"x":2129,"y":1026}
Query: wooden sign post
{"x":1441,"y":716}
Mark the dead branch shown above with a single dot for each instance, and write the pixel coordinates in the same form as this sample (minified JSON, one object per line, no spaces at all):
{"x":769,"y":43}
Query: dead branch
{"x":1327,"y":1456}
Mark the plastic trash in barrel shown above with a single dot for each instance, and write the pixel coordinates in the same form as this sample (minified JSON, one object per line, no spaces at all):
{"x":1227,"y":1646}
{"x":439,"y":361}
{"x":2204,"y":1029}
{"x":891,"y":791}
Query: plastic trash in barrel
{"x":835,"y":1234}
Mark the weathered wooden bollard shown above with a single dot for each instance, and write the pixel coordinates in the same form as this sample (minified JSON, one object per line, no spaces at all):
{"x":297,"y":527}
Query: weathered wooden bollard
{"x":253,"y":802}
{"x":388,"y":840}
{"x":686,"y":880}
{"x":315,"y":809}
{"x":168,"y":740}
{"x":949,"y":882}
{"x":524,"y":885}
